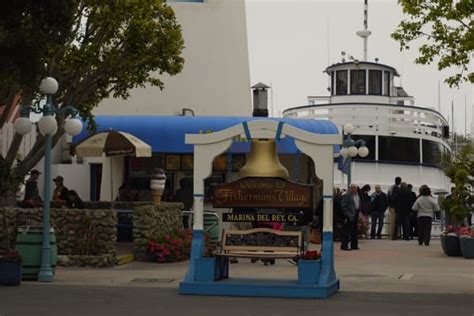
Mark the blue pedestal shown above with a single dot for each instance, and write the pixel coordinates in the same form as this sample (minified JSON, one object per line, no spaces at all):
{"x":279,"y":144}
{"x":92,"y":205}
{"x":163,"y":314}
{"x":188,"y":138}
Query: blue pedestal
{"x":309,"y":271}
{"x":209,"y":269}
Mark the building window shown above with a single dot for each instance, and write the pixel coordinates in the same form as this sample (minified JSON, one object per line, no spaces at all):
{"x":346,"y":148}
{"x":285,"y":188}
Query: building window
{"x":357,"y":81}
{"x":386,"y":81}
{"x":399,"y":149}
{"x":341,"y":82}
{"x":375,"y":82}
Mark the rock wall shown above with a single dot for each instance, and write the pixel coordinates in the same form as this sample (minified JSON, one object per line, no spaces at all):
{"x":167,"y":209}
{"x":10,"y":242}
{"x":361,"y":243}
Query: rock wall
{"x":78,"y":232}
{"x":149,"y":220}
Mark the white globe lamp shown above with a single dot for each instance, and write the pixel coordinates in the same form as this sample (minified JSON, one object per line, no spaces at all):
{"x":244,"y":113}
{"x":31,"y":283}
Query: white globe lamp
{"x":352,"y":151}
{"x":47,"y":125}
{"x":23,"y":125}
{"x":344,"y":152}
{"x":49,"y":85}
{"x":363,"y":151}
{"x":348,"y":128}
{"x":73,"y":126}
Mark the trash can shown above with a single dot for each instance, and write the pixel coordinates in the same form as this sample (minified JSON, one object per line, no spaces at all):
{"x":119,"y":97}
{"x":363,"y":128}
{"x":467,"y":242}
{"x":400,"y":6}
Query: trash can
{"x":29,"y":241}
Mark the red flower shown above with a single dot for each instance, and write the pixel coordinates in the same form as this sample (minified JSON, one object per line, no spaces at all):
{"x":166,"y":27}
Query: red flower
{"x":312,"y":255}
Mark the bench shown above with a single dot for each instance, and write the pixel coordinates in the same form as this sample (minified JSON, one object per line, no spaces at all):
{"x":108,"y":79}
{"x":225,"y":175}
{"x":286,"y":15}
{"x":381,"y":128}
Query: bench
{"x":261,"y":243}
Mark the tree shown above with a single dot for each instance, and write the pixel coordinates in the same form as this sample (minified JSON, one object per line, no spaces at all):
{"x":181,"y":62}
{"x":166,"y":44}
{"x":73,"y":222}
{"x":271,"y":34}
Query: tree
{"x":460,"y":170}
{"x":95,"y":49}
{"x":448,"y":29}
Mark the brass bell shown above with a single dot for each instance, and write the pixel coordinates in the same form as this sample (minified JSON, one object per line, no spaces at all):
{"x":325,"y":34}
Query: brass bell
{"x":263,"y":161}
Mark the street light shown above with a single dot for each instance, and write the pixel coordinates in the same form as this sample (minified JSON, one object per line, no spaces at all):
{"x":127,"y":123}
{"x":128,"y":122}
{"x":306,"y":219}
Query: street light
{"x":47,"y":126}
{"x":349,"y":150}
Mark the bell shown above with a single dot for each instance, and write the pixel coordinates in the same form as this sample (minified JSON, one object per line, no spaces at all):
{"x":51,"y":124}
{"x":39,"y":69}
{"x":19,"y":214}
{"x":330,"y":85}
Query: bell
{"x":263,"y":161}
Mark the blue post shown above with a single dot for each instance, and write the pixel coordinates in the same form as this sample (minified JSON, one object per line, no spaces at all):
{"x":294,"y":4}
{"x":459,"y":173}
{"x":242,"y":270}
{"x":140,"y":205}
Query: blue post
{"x":46,"y":273}
{"x":349,"y":172}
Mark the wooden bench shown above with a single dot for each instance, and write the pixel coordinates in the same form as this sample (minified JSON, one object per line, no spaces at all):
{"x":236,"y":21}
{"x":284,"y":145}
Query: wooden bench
{"x":261,"y":243}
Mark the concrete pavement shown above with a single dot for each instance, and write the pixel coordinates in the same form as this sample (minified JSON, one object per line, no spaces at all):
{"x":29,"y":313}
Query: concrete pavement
{"x":380,"y":266}
{"x":383,"y":278}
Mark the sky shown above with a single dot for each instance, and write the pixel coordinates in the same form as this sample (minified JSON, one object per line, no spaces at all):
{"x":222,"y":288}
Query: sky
{"x":291,"y":42}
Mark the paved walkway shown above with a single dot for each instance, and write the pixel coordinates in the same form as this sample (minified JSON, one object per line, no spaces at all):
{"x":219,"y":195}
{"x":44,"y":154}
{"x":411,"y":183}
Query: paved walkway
{"x":380,"y":266}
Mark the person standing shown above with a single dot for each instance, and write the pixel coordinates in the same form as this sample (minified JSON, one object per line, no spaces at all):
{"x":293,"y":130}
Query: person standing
{"x":73,"y":200}
{"x":425,"y":206}
{"x":350,"y":204}
{"x":391,"y":195}
{"x":32,"y":197}
{"x":60,"y":192}
{"x":379,"y":205}
{"x":403,"y":205}
{"x":412,"y":216}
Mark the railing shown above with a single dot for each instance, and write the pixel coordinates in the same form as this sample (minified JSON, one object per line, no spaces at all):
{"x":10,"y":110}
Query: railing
{"x":391,"y":119}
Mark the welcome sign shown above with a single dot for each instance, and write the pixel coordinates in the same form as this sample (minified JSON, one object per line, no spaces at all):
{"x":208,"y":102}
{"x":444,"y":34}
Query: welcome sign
{"x":255,"y":192}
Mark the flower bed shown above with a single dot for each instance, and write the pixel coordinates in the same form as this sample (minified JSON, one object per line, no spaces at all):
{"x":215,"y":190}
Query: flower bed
{"x":171,"y":247}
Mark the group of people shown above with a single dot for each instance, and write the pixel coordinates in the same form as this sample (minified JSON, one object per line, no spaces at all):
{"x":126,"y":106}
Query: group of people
{"x":409,"y":213}
{"x":61,"y":194}
{"x":413,"y":214}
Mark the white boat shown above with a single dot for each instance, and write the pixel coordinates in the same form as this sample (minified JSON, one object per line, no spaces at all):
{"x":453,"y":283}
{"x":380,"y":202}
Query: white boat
{"x":403,"y":139}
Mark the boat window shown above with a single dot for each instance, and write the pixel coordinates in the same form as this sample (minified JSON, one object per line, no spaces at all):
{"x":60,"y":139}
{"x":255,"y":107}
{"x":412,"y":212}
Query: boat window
{"x":357,"y":81}
{"x":375,"y":82}
{"x":331,"y":84}
{"x":399,"y":149}
{"x":432,"y":152}
{"x":370,"y":143}
{"x":341,"y":82}
{"x":386,"y":81}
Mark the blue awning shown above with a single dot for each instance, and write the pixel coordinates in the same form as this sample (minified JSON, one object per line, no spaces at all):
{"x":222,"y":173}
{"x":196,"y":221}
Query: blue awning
{"x":165,"y":134}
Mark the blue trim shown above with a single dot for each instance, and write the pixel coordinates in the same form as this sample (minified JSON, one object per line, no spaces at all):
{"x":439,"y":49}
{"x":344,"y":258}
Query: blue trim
{"x":328,"y":196}
{"x":198,"y":195}
{"x":246,"y":130}
{"x":259,"y":288}
{"x":278,"y":133}
{"x":328,"y":275}
{"x":197,"y":250}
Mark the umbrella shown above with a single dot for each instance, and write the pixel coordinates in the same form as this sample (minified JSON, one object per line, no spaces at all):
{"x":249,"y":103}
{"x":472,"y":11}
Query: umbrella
{"x":112,"y":143}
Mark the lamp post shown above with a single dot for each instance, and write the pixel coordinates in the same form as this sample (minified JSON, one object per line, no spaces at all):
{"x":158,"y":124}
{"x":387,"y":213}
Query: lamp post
{"x":47,"y":127}
{"x":349,"y":150}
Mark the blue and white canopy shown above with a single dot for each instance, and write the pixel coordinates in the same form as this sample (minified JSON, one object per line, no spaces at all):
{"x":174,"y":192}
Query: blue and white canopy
{"x":165,"y":134}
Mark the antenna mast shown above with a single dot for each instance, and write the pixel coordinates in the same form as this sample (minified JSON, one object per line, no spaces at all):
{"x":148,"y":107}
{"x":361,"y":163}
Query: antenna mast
{"x":364,"y":34}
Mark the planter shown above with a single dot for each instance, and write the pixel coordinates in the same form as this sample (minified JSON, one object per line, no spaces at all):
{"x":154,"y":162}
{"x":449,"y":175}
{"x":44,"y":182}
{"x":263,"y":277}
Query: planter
{"x":467,"y":247}
{"x":10,"y":272}
{"x":209,"y":269}
{"x":29,"y":243}
{"x":451,"y":246}
{"x":308,"y":271}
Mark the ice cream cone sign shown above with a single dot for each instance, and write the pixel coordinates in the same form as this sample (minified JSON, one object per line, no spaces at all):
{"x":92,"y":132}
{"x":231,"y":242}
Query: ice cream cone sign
{"x":157,"y":185}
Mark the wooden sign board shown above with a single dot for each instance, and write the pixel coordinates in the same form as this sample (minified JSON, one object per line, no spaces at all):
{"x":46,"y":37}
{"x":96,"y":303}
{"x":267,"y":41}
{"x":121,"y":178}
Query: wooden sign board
{"x":255,"y":192}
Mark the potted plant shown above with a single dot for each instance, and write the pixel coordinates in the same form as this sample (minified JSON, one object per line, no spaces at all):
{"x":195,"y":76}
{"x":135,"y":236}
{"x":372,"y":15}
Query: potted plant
{"x":10,"y":262}
{"x":459,"y":170}
{"x":466,"y":239}
{"x":309,"y":267}
{"x":10,"y":268}
{"x":450,"y":242}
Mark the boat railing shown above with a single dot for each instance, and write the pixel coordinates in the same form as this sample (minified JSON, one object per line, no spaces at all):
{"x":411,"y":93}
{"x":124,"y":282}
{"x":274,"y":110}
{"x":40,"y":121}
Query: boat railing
{"x":383,"y":118}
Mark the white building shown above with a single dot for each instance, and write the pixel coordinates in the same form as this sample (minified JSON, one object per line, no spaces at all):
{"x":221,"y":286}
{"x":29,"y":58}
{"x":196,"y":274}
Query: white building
{"x":216,"y":76}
